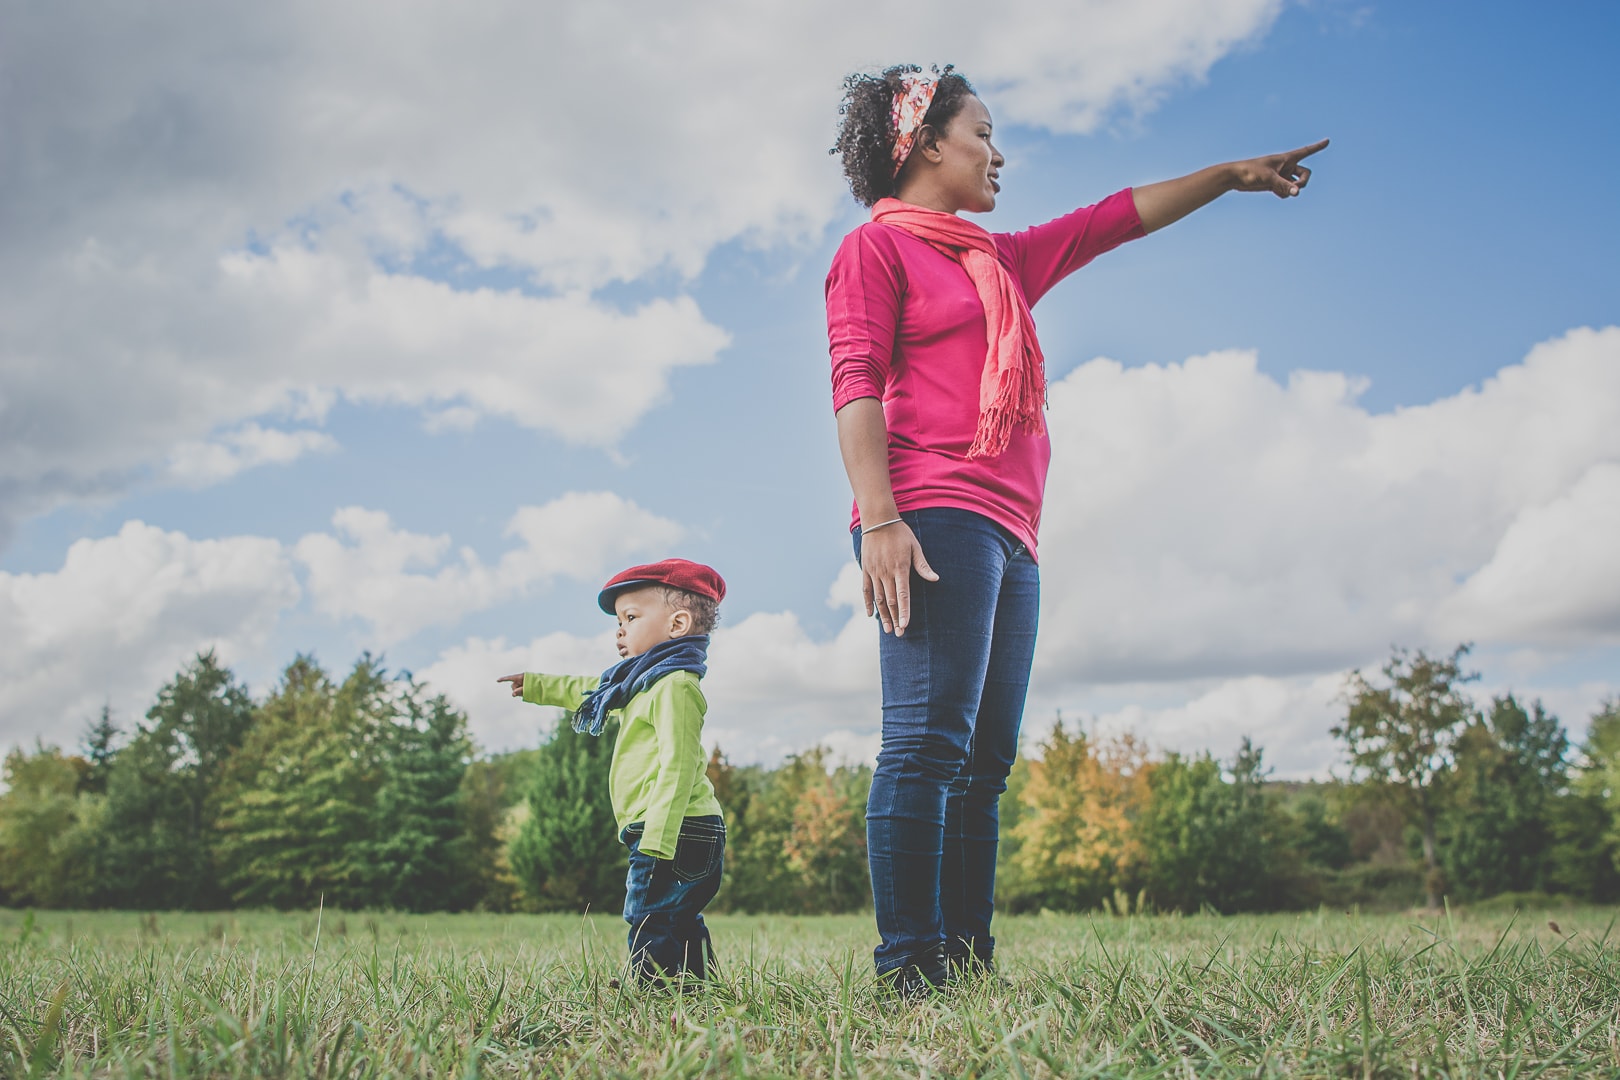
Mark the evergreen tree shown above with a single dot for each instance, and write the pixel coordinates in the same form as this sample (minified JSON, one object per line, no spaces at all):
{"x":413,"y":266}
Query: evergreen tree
{"x":567,"y":854}
{"x":1510,"y":770}
{"x":296,"y":817}
{"x":1585,"y":821}
{"x":99,"y":751}
{"x":420,"y":856}
{"x":1010,"y":894}
{"x":157,"y":849}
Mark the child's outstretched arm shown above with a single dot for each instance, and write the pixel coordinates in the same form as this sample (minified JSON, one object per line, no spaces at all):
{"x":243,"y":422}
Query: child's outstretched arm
{"x":563,"y":691}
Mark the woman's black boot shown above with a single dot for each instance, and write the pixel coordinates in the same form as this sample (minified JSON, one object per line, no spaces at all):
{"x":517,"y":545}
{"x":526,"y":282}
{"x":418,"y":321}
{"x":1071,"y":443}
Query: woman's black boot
{"x":922,"y":975}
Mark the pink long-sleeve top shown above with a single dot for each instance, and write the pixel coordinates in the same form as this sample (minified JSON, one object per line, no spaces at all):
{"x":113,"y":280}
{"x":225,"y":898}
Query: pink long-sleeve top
{"x":906,"y":326}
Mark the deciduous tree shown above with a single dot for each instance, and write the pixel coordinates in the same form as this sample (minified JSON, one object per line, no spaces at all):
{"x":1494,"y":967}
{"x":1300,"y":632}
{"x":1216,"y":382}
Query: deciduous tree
{"x":797,"y":835}
{"x":1076,"y":830}
{"x":46,"y":825}
{"x":1215,"y":839}
{"x":1401,"y":736}
{"x":493,"y":788}
{"x":826,"y":838}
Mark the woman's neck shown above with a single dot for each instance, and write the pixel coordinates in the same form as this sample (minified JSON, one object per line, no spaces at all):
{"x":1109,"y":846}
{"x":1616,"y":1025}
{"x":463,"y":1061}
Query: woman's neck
{"x":917,"y":191}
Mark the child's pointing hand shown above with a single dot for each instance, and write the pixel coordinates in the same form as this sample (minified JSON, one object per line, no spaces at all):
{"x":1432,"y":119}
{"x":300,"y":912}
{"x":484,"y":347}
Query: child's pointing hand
{"x":516,"y":681}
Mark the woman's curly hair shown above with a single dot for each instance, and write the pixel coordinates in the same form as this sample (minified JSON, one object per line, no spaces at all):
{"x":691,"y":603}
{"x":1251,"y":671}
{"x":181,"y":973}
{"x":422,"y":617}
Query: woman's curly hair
{"x":866,"y":133}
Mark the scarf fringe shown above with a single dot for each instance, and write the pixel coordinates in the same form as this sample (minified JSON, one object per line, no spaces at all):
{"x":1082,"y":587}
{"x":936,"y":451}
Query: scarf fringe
{"x":996,"y":426}
{"x":1017,"y":403}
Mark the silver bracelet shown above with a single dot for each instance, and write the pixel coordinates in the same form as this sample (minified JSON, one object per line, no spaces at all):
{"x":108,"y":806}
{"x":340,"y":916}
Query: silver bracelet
{"x":880,"y":525}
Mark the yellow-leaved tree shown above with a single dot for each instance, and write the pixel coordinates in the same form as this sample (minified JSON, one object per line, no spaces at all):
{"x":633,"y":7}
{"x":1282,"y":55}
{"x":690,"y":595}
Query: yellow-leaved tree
{"x":1073,"y":838}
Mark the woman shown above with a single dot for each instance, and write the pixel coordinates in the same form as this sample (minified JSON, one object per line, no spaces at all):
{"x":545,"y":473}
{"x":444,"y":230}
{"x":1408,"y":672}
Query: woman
{"x":939,"y":386}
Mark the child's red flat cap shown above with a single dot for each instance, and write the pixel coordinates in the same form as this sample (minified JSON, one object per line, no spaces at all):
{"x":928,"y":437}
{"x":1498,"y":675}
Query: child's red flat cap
{"x":676,"y":573}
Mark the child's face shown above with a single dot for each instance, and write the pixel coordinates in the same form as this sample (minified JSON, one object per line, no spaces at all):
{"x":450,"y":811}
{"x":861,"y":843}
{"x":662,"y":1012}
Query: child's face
{"x":645,"y":619}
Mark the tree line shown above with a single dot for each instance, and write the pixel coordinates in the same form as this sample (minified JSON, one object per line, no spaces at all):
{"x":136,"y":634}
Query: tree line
{"x":367,"y":792}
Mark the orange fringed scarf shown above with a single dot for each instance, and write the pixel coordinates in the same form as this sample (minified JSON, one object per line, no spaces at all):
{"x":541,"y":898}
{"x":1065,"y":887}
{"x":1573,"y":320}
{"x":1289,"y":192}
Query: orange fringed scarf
{"x":1012,"y":391}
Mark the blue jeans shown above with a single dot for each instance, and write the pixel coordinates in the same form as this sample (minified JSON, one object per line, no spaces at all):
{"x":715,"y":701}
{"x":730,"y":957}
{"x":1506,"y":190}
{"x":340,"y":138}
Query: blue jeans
{"x":664,"y":901}
{"x":953,"y":698}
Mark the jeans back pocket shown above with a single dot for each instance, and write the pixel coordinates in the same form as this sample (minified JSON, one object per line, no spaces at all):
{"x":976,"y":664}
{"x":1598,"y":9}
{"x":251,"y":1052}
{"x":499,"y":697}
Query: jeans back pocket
{"x":699,"y":848}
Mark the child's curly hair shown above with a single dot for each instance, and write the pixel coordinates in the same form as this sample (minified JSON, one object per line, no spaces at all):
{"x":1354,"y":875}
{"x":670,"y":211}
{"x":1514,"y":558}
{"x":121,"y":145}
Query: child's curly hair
{"x":705,"y":611}
{"x":866,"y":133}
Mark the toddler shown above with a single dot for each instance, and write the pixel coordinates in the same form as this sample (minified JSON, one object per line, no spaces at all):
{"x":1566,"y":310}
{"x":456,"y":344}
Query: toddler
{"x":664,"y":805}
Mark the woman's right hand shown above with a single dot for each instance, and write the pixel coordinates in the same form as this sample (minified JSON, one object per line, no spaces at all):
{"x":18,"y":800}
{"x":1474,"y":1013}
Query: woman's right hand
{"x":888,"y":555}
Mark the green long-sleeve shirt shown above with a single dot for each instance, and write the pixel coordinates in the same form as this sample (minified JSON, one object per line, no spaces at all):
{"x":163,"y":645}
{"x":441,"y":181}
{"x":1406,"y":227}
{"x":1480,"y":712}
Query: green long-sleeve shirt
{"x":657,"y":776}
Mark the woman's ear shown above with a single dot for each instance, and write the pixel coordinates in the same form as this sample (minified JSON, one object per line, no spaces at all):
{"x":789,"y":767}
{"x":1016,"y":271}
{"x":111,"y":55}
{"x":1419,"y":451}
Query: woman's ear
{"x":927,"y":144}
{"x":680,"y":623}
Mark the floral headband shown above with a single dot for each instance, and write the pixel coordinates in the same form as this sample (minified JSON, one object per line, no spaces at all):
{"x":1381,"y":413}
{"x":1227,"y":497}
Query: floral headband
{"x":910,"y":106}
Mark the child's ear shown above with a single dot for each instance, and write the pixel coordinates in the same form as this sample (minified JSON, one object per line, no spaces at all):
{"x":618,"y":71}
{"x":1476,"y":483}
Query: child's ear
{"x":680,"y":623}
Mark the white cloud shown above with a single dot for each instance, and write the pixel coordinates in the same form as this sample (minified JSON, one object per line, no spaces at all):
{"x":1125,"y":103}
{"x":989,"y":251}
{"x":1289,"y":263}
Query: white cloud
{"x":565,"y":364}
{"x":1066,"y":67}
{"x":1219,"y":548}
{"x":200,"y":463}
{"x":466,"y":675}
{"x":121,"y":616}
{"x":88,"y":402}
{"x":398,"y":581}
{"x":1555,"y":574}
{"x":1204,"y":520}
{"x":772,"y":689}
{"x":125,"y":612}
{"x":251,"y":200}
{"x":1288,"y":718}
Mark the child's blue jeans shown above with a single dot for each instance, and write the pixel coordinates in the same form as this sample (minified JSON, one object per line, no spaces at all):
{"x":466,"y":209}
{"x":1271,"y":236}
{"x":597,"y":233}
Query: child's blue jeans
{"x":664,"y":901}
{"x":953,"y":698}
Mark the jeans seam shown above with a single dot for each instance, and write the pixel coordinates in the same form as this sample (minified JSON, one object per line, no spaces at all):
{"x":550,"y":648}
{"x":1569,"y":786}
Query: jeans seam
{"x":920,"y":601}
{"x":709,"y":859}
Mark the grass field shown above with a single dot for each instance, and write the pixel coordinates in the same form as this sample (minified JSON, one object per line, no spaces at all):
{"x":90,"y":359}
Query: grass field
{"x":351,"y":995}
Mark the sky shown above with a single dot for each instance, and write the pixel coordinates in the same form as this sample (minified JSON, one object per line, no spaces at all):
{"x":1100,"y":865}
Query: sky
{"x":335,"y":329}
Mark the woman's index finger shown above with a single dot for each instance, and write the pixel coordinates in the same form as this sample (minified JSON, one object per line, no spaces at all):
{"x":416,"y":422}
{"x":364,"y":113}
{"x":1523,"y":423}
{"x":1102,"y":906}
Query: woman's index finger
{"x":1306,"y":151}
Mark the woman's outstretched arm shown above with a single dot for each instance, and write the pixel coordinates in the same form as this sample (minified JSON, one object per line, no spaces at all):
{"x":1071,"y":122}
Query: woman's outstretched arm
{"x":889,"y":552}
{"x":1171,"y":200}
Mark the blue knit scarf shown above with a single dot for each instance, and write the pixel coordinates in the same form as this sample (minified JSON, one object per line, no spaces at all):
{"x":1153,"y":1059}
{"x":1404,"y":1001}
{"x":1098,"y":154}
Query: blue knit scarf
{"x":633,"y":674}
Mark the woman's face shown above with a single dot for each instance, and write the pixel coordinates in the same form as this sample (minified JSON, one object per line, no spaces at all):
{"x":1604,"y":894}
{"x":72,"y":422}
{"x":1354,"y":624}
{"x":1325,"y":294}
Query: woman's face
{"x":969,"y":162}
